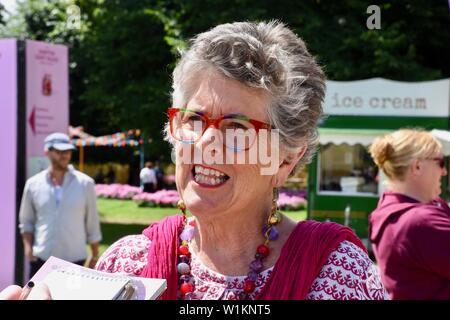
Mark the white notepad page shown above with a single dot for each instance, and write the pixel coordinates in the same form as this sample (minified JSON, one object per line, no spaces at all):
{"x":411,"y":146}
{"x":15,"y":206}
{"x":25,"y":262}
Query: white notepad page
{"x":68,"y":281}
{"x":83,"y":284}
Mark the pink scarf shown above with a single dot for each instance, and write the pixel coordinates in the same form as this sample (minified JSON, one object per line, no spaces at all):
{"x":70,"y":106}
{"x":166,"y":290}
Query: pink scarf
{"x":162,"y":253}
{"x":302,"y":257}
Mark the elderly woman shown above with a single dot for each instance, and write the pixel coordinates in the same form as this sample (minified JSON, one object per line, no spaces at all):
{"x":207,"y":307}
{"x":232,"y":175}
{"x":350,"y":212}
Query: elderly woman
{"x":257,"y":81}
{"x":410,"y":229}
{"x":250,"y":77}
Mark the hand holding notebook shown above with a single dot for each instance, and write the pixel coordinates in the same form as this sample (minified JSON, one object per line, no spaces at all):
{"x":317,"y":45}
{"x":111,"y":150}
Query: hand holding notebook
{"x":68,"y":281}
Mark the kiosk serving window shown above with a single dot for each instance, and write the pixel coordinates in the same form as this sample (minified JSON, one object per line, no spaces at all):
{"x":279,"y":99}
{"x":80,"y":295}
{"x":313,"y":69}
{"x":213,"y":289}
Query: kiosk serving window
{"x":347,"y":169}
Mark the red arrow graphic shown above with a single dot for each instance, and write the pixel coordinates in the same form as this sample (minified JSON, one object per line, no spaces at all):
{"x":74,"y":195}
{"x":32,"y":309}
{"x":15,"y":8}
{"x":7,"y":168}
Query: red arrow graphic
{"x":32,"y":120}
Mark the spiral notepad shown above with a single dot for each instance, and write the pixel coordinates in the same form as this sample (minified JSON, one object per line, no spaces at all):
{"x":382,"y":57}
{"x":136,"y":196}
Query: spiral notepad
{"x":78,"y":284}
{"x":67,"y":281}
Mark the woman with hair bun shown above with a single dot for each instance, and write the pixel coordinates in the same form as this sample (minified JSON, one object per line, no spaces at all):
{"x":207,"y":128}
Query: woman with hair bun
{"x":410,"y":228}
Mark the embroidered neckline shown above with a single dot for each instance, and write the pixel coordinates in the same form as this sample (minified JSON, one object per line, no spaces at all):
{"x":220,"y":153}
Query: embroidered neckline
{"x":254,"y":279}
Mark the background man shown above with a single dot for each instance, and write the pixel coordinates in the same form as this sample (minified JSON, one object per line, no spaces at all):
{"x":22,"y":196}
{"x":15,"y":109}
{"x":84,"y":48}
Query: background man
{"x":148,"y":178}
{"x":58,"y":214}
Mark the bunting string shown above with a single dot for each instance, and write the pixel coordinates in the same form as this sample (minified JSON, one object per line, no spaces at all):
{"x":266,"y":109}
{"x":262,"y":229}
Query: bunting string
{"x":130,"y":138}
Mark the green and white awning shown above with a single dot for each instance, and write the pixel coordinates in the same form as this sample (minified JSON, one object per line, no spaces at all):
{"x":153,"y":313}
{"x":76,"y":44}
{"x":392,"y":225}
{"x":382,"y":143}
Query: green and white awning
{"x":349,"y":136}
{"x":444,"y":137}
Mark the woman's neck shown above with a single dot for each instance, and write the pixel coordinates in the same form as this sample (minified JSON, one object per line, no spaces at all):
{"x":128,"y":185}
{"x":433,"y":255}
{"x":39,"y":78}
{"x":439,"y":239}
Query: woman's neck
{"x":408,"y":189}
{"x":228,"y":241}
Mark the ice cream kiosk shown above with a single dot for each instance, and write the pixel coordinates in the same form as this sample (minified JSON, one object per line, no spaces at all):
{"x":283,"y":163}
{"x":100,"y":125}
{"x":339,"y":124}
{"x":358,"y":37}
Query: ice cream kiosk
{"x":343,"y":182}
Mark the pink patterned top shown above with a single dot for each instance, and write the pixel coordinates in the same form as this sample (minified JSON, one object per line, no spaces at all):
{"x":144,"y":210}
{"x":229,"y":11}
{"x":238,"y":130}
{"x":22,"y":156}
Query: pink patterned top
{"x":349,"y":274}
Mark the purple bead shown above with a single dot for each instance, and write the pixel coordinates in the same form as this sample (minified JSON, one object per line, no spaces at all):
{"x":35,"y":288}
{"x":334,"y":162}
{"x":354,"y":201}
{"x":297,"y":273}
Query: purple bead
{"x":264,"y":230}
{"x":187,"y":234}
{"x":256,"y":265}
{"x":273,"y":233}
{"x":252,"y":275}
{"x":184,"y":278}
{"x":183,"y":268}
{"x":183,"y":258}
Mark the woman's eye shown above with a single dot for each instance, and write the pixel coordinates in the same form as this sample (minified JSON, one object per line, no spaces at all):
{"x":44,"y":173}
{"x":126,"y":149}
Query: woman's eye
{"x":192,"y":118}
{"x":237,"y":125}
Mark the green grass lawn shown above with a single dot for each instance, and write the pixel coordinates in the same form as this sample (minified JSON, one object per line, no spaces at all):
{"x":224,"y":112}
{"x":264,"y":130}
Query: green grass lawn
{"x":128,"y":212}
{"x":124,"y":217}
{"x":114,"y":231}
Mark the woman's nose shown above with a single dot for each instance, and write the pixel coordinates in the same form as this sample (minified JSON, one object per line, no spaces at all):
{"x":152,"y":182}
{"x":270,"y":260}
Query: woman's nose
{"x":211,"y":140}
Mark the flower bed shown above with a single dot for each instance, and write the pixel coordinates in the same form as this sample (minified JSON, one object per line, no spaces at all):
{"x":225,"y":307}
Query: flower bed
{"x":161,"y":198}
{"x":294,"y":202}
{"x":288,"y":199}
{"x":116,"y":191}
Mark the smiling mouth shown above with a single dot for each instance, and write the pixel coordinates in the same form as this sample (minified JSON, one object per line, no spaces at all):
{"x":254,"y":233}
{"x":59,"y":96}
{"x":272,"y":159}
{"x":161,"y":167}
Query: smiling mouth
{"x":209,"y":177}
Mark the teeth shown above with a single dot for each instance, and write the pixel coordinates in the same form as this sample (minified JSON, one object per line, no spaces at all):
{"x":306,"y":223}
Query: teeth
{"x":208,"y":172}
{"x":208,"y":180}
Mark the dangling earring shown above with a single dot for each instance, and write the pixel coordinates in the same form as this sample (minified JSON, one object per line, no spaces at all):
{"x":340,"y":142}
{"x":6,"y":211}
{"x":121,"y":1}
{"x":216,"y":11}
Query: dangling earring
{"x":270,"y":231}
{"x":275,"y":216}
{"x":182,"y":207}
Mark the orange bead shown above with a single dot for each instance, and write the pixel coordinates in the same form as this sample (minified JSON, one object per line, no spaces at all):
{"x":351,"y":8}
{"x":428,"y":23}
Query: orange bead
{"x":263,"y":249}
{"x":183,"y":250}
{"x":186,"y":287}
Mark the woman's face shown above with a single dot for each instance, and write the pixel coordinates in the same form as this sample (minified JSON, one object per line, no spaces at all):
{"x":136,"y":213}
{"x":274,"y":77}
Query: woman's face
{"x":431,"y":177}
{"x":233,"y":186}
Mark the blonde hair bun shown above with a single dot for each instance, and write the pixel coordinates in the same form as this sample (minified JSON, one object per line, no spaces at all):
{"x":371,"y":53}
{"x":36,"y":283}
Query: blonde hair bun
{"x":381,"y":150}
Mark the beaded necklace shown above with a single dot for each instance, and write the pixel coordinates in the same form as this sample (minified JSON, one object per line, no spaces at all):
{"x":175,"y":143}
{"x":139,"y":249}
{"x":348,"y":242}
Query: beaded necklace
{"x":186,"y":285}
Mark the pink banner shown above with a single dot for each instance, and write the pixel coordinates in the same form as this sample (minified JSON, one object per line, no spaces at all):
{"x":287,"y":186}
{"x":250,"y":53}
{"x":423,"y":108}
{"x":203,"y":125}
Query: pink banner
{"x":47,"y":97}
{"x":8,"y":143}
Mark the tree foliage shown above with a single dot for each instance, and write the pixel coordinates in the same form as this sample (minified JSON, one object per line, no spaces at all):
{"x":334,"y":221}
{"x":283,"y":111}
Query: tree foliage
{"x":122,"y":52}
{"x":2,"y":13}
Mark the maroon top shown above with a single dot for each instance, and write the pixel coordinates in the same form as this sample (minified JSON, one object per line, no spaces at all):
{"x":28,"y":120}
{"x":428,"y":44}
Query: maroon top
{"x":411,"y":242}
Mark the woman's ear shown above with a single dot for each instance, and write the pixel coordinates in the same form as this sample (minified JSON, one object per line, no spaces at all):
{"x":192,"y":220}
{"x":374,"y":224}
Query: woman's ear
{"x":416,"y":167}
{"x":286,"y":167}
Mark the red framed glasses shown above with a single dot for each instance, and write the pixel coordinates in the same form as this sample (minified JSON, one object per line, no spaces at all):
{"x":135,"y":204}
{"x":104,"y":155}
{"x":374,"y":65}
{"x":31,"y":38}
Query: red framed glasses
{"x":238,"y":131}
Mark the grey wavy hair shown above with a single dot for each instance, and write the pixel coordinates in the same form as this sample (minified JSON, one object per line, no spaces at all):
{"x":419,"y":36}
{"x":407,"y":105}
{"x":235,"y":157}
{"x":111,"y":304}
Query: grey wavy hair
{"x":265,"y":55}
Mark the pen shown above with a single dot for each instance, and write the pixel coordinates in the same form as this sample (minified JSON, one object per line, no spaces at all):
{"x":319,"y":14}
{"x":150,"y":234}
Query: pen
{"x":127,"y":292}
{"x":26,"y":290}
